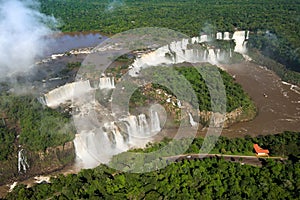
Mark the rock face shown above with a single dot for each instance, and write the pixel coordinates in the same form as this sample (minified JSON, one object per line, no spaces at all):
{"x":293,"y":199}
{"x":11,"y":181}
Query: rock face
{"x":237,"y":115}
{"x":52,"y":159}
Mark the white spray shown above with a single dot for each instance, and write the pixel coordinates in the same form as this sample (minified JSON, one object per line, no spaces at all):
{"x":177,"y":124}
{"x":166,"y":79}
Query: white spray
{"x":22,"y":35}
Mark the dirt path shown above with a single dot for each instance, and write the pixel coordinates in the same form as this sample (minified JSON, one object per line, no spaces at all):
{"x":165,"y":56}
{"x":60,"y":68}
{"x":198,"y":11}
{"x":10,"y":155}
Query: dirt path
{"x":250,"y":160}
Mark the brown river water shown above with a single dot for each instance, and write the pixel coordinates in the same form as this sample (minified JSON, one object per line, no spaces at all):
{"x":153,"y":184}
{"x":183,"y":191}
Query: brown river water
{"x":278,"y":106}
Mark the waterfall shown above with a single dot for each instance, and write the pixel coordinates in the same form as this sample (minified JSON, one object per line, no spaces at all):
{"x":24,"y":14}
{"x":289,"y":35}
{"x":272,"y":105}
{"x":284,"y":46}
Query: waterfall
{"x":139,"y":126}
{"x":12,"y":186}
{"x":107,"y":83}
{"x":67,"y":93}
{"x":247,"y":37}
{"x":143,"y":125}
{"x":192,"y":122}
{"x":219,"y":36}
{"x":42,"y":100}
{"x":178,"y":52}
{"x":226,"y":36}
{"x":22,"y":162}
{"x":93,"y":147}
{"x":189,"y":55}
{"x":203,"y":38}
{"x":155,"y":123}
{"x":239,"y":38}
{"x":132,"y":127}
{"x":230,"y":53}
{"x":205,"y":55}
{"x":98,"y":145}
{"x":179,"y":103}
{"x":218,"y":54}
{"x":212,"y":58}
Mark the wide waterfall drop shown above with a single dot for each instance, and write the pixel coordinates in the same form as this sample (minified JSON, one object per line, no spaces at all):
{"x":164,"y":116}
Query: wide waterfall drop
{"x":219,"y":36}
{"x":205,"y":55}
{"x":218,"y":54}
{"x":203,"y":38}
{"x":93,"y":147}
{"x":144,"y":129}
{"x":99,"y":144}
{"x":180,"y":51}
{"x":132,"y":125}
{"x":239,"y":37}
{"x":107,"y":83}
{"x":155,"y":122}
{"x":140,"y":126}
{"x":212,"y":58}
{"x":68,"y":92}
{"x":226,"y":36}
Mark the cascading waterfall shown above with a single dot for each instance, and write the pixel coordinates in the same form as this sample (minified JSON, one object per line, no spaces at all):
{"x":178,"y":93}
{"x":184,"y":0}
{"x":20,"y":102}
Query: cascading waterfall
{"x":179,"y":103}
{"x":218,"y":54}
{"x":98,"y":145}
{"x":192,"y":122}
{"x":42,"y":100}
{"x":22,"y":161}
{"x":247,"y":37}
{"x":239,"y":38}
{"x":203,"y":38}
{"x":219,"y":36}
{"x":226,"y":36}
{"x":212,"y":58}
{"x":155,"y":122}
{"x":178,"y":52}
{"x":67,"y":93}
{"x":107,"y":83}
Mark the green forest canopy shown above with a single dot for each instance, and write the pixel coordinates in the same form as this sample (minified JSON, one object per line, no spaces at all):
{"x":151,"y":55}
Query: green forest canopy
{"x":210,"y":178}
{"x":173,"y":77}
{"x":38,"y":127}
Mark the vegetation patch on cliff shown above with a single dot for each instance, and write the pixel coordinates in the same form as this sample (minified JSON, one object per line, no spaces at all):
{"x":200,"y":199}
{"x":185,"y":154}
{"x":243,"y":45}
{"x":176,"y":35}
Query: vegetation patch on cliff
{"x":239,"y":106}
{"x":43,"y":134}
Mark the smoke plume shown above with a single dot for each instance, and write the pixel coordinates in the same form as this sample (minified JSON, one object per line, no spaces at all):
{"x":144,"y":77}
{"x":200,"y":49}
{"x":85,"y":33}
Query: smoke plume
{"x":23,"y":30}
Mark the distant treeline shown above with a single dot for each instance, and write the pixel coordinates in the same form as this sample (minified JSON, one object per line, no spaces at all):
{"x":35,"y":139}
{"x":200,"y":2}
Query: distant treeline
{"x":210,"y":178}
{"x":272,"y":22}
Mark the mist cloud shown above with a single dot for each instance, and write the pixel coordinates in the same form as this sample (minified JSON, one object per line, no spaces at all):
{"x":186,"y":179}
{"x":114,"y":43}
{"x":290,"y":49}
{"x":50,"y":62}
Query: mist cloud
{"x":114,"y":4}
{"x":22,"y":35}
